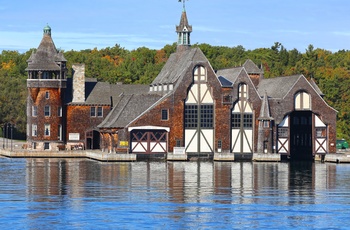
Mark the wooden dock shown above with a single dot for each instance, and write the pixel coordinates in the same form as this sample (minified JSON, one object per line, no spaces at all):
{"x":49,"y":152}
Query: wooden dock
{"x":90,"y":154}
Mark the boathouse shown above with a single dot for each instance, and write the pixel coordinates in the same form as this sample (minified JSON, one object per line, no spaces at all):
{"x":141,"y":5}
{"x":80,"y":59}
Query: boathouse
{"x":189,"y":110}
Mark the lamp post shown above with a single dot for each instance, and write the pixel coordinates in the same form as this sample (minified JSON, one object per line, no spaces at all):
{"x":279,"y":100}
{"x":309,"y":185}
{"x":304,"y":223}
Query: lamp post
{"x":7,"y":135}
{"x":3,"y":136}
{"x":11,"y":126}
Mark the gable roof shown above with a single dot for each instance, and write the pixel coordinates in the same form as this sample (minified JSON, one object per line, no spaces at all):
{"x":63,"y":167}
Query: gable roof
{"x":315,"y":86}
{"x":277,"y":87}
{"x":128,"y":108}
{"x":227,"y":77}
{"x":177,"y":65}
{"x":251,"y":67}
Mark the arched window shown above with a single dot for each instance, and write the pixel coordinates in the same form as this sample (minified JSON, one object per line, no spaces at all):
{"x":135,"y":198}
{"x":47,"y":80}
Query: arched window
{"x":302,"y":101}
{"x":200,"y":74}
{"x":243,"y":91}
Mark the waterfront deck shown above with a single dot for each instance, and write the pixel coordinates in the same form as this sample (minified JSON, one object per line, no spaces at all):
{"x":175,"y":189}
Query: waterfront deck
{"x":90,"y":154}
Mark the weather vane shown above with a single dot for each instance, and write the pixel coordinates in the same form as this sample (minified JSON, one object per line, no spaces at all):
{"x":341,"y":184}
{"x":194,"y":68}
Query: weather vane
{"x":183,"y":1}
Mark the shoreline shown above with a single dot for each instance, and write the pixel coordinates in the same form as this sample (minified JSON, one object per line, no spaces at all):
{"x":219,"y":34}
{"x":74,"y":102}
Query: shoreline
{"x":98,"y":155}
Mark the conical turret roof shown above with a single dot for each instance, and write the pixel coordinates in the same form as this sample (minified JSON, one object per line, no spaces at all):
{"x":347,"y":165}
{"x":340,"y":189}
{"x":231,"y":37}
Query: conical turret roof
{"x":265,"y":109}
{"x":46,"y":57}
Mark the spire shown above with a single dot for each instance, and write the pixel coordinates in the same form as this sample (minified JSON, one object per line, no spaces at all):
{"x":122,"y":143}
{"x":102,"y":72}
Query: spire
{"x":265,"y":109}
{"x":184,"y":29}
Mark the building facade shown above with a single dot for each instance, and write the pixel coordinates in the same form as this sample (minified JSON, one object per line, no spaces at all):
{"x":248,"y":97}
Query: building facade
{"x":189,"y":107}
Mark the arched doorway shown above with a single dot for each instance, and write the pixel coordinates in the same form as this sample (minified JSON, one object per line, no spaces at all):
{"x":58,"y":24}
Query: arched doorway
{"x":92,"y":139}
{"x":301,"y":143}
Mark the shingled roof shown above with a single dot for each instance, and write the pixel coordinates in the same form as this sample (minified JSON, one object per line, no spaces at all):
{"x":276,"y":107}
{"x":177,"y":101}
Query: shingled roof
{"x":251,"y":67}
{"x":46,"y":56}
{"x":265,"y":109}
{"x":228,"y":76}
{"x":129,"y":107}
{"x":277,"y":87}
{"x":177,"y":64}
{"x":103,"y":93}
{"x":183,"y":23}
{"x":315,"y":86}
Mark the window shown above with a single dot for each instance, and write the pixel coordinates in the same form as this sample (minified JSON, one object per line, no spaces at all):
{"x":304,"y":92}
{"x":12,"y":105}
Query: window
{"x":35,"y":111}
{"x":321,"y":132}
{"x":302,"y":101}
{"x":207,"y":116}
{"x":47,"y":95}
{"x":59,"y":111}
{"x":178,"y":143}
{"x":243,"y":91}
{"x":59,"y":135}
{"x":34,"y":130}
{"x":266,"y":124}
{"x":219,"y":144}
{"x":247,"y":120}
{"x":164,"y":114}
{"x":283,"y":132}
{"x":47,"y":110}
{"x":200,"y":74}
{"x":236,"y":120}
{"x":99,"y":112}
{"x":45,"y":75}
{"x":227,"y":99}
{"x":46,"y":145}
{"x":191,"y":116}
{"x":47,"y":130}
{"x":93,"y":112}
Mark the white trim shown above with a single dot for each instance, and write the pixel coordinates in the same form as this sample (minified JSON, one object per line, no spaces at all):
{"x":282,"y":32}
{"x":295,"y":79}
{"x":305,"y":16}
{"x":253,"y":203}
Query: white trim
{"x":149,"y":127}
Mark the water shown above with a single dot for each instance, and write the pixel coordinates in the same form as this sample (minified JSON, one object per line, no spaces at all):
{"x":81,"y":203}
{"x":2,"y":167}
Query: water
{"x":84,"y":194}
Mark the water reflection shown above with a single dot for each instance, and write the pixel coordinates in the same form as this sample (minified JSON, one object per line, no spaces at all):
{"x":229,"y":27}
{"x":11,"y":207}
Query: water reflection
{"x":186,"y":194}
{"x":182,"y":182}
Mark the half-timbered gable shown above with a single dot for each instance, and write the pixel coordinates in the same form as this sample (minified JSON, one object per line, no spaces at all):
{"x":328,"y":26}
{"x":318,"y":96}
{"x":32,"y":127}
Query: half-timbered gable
{"x":244,"y":104}
{"x":189,"y":106}
{"x":296,"y":104}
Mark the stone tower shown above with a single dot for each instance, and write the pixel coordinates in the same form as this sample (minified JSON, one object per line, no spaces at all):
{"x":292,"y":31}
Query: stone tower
{"x":46,"y":85}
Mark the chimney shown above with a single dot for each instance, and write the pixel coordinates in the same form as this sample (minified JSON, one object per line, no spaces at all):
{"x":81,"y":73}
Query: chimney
{"x":78,"y":83}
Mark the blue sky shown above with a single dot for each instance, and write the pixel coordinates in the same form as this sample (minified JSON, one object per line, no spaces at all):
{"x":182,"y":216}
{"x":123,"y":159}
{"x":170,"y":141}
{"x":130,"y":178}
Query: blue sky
{"x":78,"y":24}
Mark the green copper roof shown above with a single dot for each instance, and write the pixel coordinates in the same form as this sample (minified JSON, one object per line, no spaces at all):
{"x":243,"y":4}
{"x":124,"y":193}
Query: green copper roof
{"x":47,"y":29}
